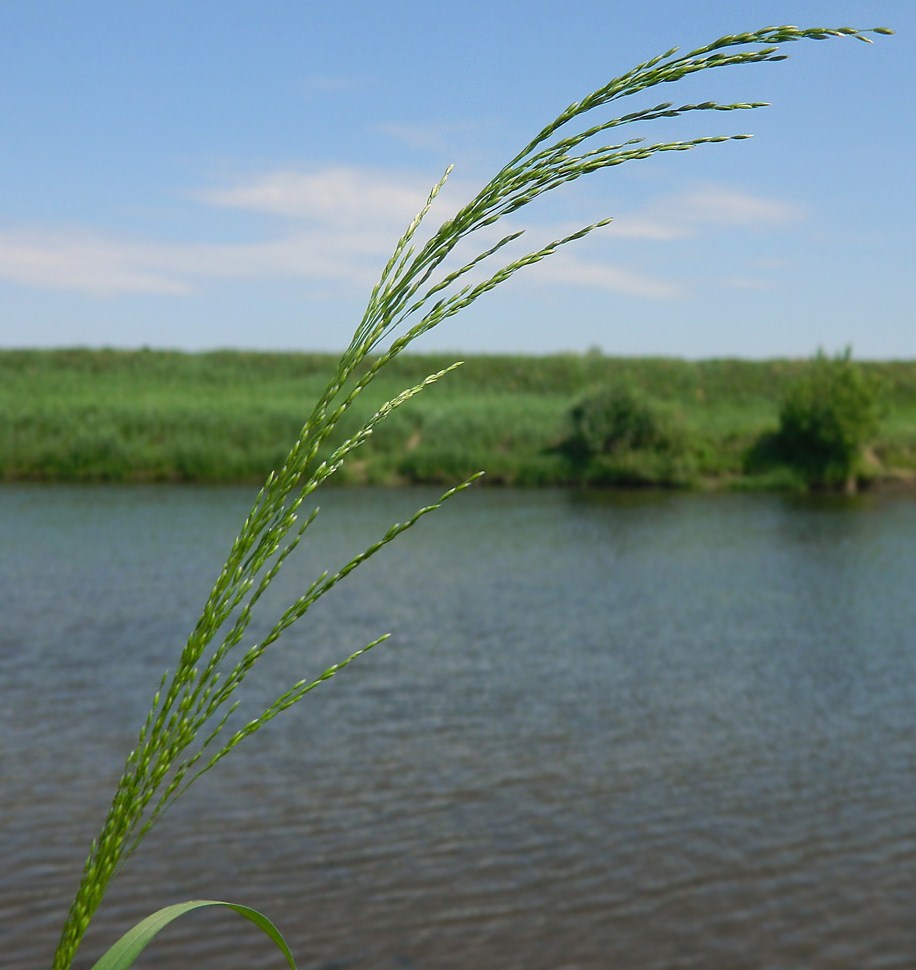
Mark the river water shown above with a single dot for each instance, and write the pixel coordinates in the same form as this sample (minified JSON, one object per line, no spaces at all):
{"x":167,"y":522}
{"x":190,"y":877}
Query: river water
{"x":610,"y":732}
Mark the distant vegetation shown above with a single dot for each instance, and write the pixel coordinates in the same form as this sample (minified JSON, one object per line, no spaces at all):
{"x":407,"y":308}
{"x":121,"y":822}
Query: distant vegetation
{"x":620,"y":436}
{"x":828,"y":417}
{"x":80,"y":415}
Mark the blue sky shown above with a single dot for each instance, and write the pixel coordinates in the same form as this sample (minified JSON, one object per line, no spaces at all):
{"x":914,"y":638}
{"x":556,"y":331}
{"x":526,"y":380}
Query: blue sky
{"x":227,"y":174}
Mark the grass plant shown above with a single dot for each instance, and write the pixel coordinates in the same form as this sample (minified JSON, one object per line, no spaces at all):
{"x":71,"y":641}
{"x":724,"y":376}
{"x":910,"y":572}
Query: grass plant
{"x":190,"y":727}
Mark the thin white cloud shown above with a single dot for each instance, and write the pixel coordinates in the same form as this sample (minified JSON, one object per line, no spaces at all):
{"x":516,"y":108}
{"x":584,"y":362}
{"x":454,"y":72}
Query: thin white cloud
{"x":714,"y":205}
{"x":343,"y":223}
{"x":330,"y":84}
{"x":748,"y":283}
{"x":339,"y":225}
{"x":704,"y":208}
{"x":643,"y":227}
{"x":570,"y":270}
{"x":79,"y":261}
{"x":431,"y":137}
{"x":769,"y":263}
{"x":105,"y":266}
{"x":336,"y":196}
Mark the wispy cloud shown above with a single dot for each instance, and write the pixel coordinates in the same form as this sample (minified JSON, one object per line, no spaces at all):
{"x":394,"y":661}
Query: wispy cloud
{"x":648,"y":228}
{"x":569,"y":270}
{"x":330,"y":84}
{"x":703,"y":208}
{"x":748,"y":283}
{"x":338,"y":224}
{"x":337,"y":196}
{"x":715,"y":205}
{"x":75,"y":260}
{"x":432,"y":137}
{"x":107,"y":266}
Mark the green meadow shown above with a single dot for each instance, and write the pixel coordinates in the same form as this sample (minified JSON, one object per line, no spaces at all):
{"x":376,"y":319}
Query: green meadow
{"x":147,"y":416}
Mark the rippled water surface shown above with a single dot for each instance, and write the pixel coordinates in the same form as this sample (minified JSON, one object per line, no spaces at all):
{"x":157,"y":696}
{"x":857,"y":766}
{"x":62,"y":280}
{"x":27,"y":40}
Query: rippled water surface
{"x":630,"y":732}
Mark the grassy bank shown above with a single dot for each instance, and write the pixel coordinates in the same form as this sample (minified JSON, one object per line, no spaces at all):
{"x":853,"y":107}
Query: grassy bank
{"x":80,"y":415}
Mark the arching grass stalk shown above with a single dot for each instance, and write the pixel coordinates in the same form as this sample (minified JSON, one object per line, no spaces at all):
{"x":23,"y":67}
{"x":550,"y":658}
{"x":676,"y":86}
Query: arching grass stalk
{"x":190,"y":726}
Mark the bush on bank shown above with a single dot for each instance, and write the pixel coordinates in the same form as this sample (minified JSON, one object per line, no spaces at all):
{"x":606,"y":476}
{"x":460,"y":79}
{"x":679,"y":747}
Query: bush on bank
{"x":620,"y":436}
{"x":827,"y":418}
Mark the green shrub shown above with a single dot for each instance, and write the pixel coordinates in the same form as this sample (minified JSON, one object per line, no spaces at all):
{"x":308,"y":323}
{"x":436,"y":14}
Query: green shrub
{"x":611,"y":419}
{"x":620,"y":436}
{"x":827,"y":417}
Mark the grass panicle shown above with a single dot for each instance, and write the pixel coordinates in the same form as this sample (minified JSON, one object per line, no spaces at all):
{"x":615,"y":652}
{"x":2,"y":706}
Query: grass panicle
{"x":189,"y":729}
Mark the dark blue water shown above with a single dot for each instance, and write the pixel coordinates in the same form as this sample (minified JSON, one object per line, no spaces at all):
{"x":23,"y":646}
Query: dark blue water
{"x":652,"y":731}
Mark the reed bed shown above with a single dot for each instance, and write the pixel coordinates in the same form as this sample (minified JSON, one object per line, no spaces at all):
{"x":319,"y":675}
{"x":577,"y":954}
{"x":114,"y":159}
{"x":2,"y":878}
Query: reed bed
{"x":115,"y":416}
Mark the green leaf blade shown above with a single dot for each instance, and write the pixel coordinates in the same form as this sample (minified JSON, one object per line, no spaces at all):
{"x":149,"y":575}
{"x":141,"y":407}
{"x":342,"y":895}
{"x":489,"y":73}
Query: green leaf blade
{"x":123,"y":953}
